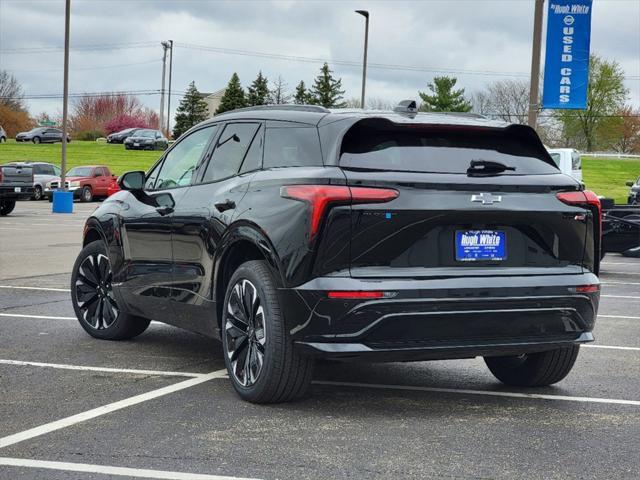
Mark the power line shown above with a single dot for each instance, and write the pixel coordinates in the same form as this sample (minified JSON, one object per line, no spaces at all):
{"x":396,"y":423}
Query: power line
{"x":89,"y":47}
{"x":48,"y":96}
{"x":93,"y":67}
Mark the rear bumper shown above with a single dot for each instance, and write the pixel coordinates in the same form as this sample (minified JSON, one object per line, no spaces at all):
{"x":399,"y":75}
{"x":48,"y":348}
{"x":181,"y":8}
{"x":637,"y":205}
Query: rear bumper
{"x":441,"y":318}
{"x":9,"y":193}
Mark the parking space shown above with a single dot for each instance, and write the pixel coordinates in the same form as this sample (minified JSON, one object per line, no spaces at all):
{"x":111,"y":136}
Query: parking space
{"x":160,"y":406}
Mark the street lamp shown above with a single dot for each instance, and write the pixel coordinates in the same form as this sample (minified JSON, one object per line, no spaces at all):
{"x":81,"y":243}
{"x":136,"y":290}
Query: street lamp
{"x":365,"y":14}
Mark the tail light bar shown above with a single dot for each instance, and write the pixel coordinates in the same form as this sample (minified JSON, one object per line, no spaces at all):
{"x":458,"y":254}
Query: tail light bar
{"x":355,"y":294}
{"x":586,"y":199}
{"x":319,"y":197}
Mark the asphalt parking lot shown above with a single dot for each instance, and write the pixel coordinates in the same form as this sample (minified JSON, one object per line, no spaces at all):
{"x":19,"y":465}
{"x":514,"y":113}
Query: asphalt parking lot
{"x":160,"y":406}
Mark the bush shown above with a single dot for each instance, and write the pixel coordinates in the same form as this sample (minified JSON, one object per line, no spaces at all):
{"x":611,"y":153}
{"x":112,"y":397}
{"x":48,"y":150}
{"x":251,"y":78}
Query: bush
{"x":126,"y":121}
{"x":14,"y":121}
{"x":89,"y":135}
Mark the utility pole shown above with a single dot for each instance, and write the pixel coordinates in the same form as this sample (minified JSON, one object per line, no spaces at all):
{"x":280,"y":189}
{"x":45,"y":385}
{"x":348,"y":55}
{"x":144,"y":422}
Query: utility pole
{"x":65,"y":95}
{"x":365,"y":14}
{"x":169,"y":94}
{"x":535,"y":65}
{"x":165,"y":46}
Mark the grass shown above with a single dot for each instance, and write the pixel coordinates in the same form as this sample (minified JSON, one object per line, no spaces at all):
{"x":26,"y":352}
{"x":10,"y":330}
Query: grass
{"x":605,"y":176}
{"x":114,"y":156}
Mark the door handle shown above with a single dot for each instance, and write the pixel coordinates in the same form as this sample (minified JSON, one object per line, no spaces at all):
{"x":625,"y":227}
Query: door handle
{"x":226,"y":205}
{"x":164,"y":210}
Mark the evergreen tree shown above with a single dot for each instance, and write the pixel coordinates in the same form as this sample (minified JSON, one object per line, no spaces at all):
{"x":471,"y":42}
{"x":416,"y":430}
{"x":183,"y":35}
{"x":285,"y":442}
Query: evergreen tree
{"x":258,"y":92}
{"x":301,"y":97}
{"x":444,"y":98}
{"x":191,"y":111}
{"x":326,"y":90}
{"x":233,"y":97}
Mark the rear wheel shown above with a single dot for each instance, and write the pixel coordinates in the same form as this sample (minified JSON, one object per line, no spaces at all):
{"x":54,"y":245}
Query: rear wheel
{"x":36,"y":140}
{"x":3,"y":139}
{"x":7,"y":206}
{"x":86,"y":195}
{"x":258,"y":351}
{"x":93,"y":300}
{"x":534,"y":369}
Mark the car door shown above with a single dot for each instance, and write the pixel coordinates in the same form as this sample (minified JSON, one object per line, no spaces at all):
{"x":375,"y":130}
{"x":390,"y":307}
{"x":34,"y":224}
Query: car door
{"x":203,"y":216}
{"x":101,"y":182}
{"x":146,"y":218}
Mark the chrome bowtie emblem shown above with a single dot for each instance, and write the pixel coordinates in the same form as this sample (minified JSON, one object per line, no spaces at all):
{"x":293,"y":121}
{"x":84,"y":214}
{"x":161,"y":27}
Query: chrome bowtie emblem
{"x":486,"y":198}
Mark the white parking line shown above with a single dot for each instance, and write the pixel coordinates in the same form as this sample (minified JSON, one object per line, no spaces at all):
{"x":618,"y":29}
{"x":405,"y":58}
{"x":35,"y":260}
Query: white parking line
{"x":100,"y":369}
{"x":628,"y":297}
{"x":45,"y":317}
{"x":612,"y":347}
{"x":490,"y":393}
{"x":46,"y":289}
{"x":627,"y":317}
{"x":618,"y":283}
{"x":103,"y":410}
{"x":630,"y":262}
{"x":109,"y":470}
{"x":606,"y":272}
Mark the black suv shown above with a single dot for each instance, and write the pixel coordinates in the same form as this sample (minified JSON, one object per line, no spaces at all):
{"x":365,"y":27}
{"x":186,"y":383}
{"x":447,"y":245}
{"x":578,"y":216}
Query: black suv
{"x":295,"y":232}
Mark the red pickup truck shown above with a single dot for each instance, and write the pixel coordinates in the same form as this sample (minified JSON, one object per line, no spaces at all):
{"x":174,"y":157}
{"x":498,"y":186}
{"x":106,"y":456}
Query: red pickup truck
{"x":86,"y":183}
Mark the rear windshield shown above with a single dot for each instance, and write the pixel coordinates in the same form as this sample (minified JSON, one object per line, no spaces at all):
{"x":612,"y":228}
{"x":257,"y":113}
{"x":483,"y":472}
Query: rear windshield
{"x":442,"y":149}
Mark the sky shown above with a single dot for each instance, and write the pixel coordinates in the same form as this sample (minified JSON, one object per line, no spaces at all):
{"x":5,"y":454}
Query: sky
{"x":116,"y":44}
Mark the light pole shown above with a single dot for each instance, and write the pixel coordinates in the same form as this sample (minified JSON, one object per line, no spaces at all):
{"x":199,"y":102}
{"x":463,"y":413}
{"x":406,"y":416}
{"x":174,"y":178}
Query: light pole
{"x":165,"y":46}
{"x":365,"y":14}
{"x":169,"y":93}
{"x":535,"y":64}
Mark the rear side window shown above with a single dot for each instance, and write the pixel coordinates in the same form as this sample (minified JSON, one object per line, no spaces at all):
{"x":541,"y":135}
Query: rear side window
{"x":441,"y":149}
{"x":230,"y":151}
{"x":576,"y":162}
{"x":292,"y":147}
{"x":556,"y":159}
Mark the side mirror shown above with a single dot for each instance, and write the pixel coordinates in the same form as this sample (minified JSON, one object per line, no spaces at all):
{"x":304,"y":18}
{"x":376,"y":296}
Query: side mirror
{"x":629,"y":184}
{"x":132,"y":180}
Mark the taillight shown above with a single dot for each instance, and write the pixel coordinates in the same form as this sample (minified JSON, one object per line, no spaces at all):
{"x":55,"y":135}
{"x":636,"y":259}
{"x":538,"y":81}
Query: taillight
{"x":587,"y":289}
{"x":586,"y":199}
{"x":354,"y":295}
{"x":320,"y":196}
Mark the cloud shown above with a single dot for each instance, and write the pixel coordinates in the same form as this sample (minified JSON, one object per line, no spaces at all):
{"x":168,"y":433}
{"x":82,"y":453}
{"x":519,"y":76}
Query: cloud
{"x":476,"y":38}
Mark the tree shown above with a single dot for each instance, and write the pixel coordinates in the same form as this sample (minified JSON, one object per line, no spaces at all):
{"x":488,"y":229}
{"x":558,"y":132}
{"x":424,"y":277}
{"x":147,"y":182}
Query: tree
{"x":628,"y":135}
{"x":90,"y":113}
{"x":301,"y":96}
{"x":233,"y":97}
{"x":507,"y":100}
{"x":258,"y":92}
{"x":191,"y":111}
{"x":14,"y":121}
{"x":11,"y":92}
{"x":606,"y":95}
{"x":444,"y":98}
{"x":278,"y":94}
{"x":326,"y":90}
{"x":121,"y":122}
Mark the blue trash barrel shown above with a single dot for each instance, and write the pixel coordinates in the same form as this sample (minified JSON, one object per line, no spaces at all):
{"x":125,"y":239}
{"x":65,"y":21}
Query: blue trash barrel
{"x":62,"y":202}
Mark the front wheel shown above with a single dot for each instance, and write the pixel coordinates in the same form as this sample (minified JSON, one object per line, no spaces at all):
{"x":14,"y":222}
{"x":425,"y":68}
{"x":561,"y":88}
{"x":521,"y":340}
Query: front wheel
{"x":534,"y":369}
{"x":93,"y":300}
{"x":7,"y":206}
{"x":258,"y":351}
{"x":37,"y":193}
{"x":36,"y":140}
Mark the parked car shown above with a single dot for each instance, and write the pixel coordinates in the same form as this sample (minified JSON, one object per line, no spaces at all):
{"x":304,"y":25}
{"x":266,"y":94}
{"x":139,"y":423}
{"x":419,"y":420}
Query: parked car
{"x":121,"y":136}
{"x":3,"y":135}
{"x":146,"y":139}
{"x":41,"y":135}
{"x":16,"y":183}
{"x":634,"y":193}
{"x":568,"y":160}
{"x":42,"y":174}
{"x":294,"y":233}
{"x":86,"y":182}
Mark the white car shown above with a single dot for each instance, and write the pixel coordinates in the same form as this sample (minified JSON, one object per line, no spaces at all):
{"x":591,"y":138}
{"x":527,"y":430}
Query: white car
{"x":568,"y":161}
{"x":43,"y":173}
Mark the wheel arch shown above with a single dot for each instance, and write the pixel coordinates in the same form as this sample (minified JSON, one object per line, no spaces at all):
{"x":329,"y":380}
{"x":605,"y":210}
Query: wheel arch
{"x":243,"y":242}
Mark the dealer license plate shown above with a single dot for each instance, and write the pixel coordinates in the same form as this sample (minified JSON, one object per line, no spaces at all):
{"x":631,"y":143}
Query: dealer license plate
{"x":136,"y":144}
{"x":17,"y":189}
{"x":478,"y":245}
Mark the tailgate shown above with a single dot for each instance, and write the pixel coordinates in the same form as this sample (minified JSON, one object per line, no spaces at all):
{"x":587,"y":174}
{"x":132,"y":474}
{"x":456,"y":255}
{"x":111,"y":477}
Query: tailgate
{"x":16,"y":176}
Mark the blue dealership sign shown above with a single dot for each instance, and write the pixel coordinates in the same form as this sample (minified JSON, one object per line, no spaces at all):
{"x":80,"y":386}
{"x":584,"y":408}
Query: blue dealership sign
{"x":566,"y":71}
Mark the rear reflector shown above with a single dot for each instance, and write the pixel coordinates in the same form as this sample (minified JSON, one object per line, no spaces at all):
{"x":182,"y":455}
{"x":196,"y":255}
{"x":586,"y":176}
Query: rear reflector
{"x":588,"y":288}
{"x":355,"y":294}
{"x":320,"y":196}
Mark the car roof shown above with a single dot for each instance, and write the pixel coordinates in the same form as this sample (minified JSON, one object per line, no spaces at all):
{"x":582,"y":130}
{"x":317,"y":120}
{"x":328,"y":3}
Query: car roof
{"x":29,"y":162}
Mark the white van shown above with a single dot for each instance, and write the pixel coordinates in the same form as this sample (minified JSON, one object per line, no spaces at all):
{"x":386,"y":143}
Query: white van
{"x":568,"y":161}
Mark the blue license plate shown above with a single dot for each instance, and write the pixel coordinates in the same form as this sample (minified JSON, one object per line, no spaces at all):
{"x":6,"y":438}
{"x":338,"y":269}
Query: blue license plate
{"x":478,"y":245}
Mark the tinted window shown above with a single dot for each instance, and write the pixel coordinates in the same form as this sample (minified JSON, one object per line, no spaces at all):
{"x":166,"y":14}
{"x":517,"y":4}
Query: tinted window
{"x":231,"y":148}
{"x":556,"y":158}
{"x":436,"y":149}
{"x":98,"y":172}
{"x":38,"y":169}
{"x":292,"y":147}
{"x":80,"y":172}
{"x":56,"y":171}
{"x":576,"y":163}
{"x":253,"y":158}
{"x":152,"y":176}
{"x":180,"y":163}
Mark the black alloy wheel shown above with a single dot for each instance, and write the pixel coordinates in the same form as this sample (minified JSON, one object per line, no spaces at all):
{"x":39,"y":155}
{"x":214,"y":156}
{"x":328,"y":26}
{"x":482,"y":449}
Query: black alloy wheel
{"x":245,"y":330}
{"x":94,"y":292}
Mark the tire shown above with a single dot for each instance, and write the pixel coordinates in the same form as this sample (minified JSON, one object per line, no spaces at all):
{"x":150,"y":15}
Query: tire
{"x":284,"y":374}
{"x":3,"y":139}
{"x":86,"y":195}
{"x":36,"y":140}
{"x":534,"y":369}
{"x":6,"y":207}
{"x":37,"y":193}
{"x":93,"y":300}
